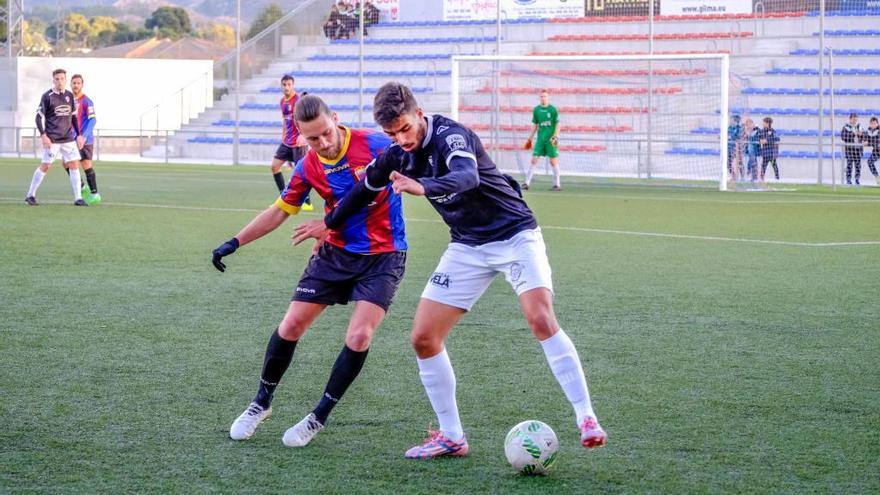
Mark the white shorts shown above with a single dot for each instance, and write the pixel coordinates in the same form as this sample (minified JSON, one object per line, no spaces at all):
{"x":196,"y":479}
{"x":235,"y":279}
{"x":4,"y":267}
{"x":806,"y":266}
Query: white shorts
{"x":68,"y":151}
{"x":465,"y":272}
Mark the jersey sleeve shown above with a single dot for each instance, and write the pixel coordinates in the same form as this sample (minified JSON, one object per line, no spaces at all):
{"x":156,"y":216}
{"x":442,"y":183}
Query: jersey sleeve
{"x":535,"y":115}
{"x":90,"y":120}
{"x":376,"y":180}
{"x":297,"y":190}
{"x":376,"y":175}
{"x":74,"y":121}
{"x":457,"y":148}
{"x":42,"y":109}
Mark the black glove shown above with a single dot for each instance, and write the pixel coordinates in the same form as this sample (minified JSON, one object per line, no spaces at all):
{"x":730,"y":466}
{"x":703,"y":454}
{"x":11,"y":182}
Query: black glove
{"x":225,"y":249}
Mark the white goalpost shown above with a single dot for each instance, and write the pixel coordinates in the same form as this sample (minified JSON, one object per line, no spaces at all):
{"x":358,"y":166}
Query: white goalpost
{"x":651,"y":119}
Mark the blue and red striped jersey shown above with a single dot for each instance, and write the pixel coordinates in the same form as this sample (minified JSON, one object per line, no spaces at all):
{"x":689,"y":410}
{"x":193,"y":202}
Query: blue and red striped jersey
{"x":289,"y":131}
{"x":376,"y":228}
{"x":85,"y":117}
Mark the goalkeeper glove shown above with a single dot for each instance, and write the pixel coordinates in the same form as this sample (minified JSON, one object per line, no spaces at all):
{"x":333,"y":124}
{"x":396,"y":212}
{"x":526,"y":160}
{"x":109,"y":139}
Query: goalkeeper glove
{"x":528,"y":144}
{"x":225,"y":249}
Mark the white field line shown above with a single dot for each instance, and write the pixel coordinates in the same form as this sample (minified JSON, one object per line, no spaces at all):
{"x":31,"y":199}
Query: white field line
{"x":547,"y":227}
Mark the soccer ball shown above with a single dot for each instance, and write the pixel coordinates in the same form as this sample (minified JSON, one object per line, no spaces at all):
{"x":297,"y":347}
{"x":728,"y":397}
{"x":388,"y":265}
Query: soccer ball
{"x":531,"y":447}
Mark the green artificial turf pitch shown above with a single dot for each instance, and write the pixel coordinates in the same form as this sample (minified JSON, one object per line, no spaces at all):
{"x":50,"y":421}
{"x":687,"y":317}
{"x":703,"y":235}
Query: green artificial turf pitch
{"x":730,"y":342}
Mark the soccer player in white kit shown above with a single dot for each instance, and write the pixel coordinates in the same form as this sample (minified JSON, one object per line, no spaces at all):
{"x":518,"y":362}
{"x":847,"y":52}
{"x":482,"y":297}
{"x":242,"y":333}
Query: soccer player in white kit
{"x":493,"y":231}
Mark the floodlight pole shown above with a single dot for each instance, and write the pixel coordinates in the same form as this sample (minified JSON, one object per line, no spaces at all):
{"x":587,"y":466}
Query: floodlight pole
{"x":361,"y":71}
{"x":831,"y":110}
{"x":822,"y":90}
{"x":648,"y":134}
{"x":235,"y":139}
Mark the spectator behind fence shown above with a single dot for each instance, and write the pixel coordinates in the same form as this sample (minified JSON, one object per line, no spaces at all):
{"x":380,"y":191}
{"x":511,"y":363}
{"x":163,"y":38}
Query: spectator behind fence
{"x":751,"y":148}
{"x":769,"y":141}
{"x":371,"y":13}
{"x":334,"y":26}
{"x":851,"y":134}
{"x":871,"y":139}
{"x":734,"y":153}
{"x":348,"y":15}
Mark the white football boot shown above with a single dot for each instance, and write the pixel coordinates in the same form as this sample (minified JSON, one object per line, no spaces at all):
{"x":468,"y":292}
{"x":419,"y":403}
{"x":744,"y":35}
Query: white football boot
{"x":300,"y":434}
{"x":245,"y":425}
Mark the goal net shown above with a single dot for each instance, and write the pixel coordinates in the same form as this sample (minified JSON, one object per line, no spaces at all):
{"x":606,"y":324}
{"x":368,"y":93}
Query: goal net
{"x":630,"y":118}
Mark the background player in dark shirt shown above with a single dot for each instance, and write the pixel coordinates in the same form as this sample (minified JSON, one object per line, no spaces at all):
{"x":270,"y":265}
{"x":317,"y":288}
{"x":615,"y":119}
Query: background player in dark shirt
{"x":58,"y":128}
{"x":493,"y":231}
{"x":362,"y":261}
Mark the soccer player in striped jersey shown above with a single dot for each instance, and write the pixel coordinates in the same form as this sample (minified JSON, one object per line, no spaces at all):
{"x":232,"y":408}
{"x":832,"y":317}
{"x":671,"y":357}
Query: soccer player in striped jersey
{"x":85,"y":117}
{"x":362,"y":260}
{"x":291,"y":148}
{"x":493,"y":231}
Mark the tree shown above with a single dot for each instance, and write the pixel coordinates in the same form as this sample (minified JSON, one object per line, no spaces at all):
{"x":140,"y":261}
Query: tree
{"x":34,"y":42}
{"x":3,"y":26}
{"x":220,"y":33}
{"x":103,"y":30}
{"x":124,"y":34}
{"x":170,"y":22}
{"x":266,"y":18}
{"x":77,"y":31}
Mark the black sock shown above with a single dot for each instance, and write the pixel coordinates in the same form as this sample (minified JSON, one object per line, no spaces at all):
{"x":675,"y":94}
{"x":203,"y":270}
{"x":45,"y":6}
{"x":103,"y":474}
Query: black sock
{"x":346,"y":369}
{"x":279,"y":181}
{"x":93,"y":183}
{"x":279,"y":353}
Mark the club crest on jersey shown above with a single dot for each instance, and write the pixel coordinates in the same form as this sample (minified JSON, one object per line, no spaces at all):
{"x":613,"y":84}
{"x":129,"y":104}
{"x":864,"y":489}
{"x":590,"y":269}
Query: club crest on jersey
{"x":456,"y":142}
{"x":440,"y":280}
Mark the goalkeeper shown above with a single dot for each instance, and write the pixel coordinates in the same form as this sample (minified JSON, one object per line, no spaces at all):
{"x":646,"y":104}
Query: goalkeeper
{"x":545,"y":118}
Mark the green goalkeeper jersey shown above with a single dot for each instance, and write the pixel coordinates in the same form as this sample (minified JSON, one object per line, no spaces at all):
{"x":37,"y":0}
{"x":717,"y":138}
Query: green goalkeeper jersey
{"x":546,"y":118}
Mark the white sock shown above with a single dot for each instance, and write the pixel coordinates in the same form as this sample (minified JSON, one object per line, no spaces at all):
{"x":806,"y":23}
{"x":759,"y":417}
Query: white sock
{"x":74,"y":183}
{"x":35,"y":182}
{"x":439,"y":381}
{"x":529,"y":173}
{"x":566,"y":366}
{"x":556,"y":176}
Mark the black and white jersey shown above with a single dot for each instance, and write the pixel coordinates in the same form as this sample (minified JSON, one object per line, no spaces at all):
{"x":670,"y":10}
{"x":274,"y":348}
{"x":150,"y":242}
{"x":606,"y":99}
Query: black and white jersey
{"x":872,"y":138}
{"x":56,"y":116}
{"x":477,"y":201}
{"x":850,"y":133}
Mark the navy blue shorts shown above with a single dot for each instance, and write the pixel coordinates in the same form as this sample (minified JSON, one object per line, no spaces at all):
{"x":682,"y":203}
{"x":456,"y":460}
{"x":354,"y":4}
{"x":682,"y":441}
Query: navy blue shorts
{"x":336,"y":276}
{"x":287,"y":154}
{"x":86,"y":152}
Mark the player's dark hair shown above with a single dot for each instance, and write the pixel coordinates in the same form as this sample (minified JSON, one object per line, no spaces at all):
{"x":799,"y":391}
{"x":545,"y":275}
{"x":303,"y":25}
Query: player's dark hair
{"x":853,"y":115}
{"x":309,"y":108}
{"x":392,"y":101}
{"x":873,"y":119}
{"x":768,"y":120}
{"x":77,"y":76}
{"x":286,"y":77}
{"x":58,"y":71}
